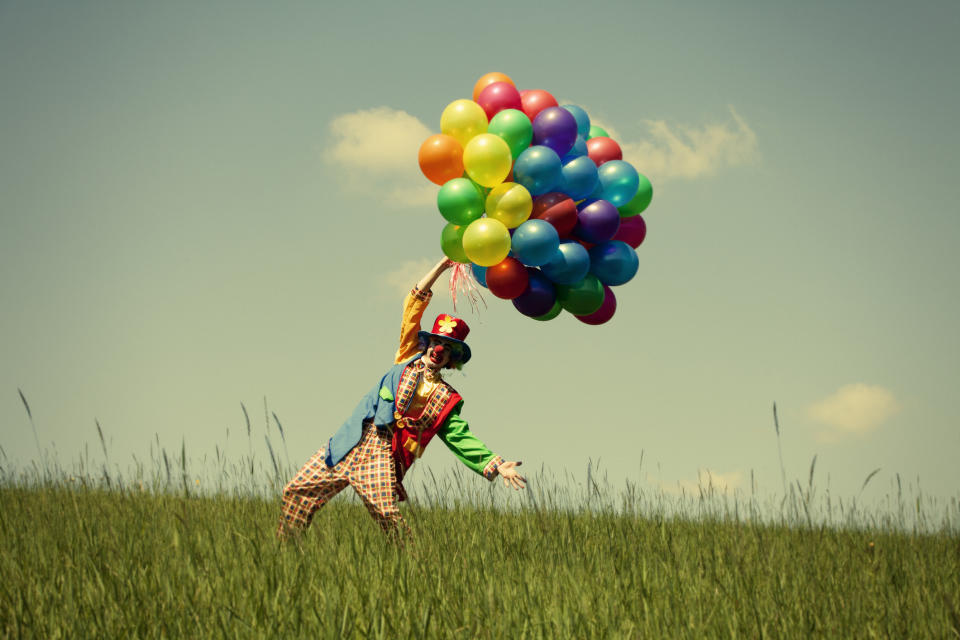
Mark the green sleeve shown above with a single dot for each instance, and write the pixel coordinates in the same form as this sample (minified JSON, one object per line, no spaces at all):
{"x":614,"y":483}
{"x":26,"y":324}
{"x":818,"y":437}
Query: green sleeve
{"x":468,"y":448}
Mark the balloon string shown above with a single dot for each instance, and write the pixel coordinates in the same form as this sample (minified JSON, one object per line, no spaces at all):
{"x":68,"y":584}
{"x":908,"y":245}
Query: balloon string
{"x":463,"y":281}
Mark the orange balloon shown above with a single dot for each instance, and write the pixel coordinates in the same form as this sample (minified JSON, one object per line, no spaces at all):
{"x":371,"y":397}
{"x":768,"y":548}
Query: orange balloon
{"x":487,"y":79}
{"x":441,"y":158}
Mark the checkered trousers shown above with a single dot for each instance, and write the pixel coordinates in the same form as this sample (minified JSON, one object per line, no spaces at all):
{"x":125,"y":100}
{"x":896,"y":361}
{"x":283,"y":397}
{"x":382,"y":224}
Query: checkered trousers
{"x":368,"y":468}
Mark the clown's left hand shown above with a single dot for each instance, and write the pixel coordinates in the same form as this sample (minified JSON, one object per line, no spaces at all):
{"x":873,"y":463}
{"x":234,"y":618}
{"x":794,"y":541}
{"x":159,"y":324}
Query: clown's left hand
{"x":511,"y":478}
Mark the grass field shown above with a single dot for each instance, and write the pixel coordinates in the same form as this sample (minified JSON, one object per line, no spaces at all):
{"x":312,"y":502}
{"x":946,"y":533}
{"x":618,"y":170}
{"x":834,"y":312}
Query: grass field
{"x":79,"y":560}
{"x":161,"y":551}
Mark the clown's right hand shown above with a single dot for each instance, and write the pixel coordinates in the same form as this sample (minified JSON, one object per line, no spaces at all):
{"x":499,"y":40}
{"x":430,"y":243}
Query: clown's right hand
{"x":511,"y":477}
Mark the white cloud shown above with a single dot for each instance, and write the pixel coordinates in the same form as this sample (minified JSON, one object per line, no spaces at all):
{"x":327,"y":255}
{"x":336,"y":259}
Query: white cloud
{"x":380,"y":139}
{"x":374,"y":151}
{"x":855,"y":409}
{"x":685,"y":151}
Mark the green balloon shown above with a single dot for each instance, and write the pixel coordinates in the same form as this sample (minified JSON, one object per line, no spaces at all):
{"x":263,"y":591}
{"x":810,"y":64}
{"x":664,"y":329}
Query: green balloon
{"x":550,"y":315}
{"x":639,"y":201}
{"x":514,"y":127}
{"x":582,"y":298}
{"x":451,"y":241}
{"x":597,"y":132}
{"x":460,"y":201}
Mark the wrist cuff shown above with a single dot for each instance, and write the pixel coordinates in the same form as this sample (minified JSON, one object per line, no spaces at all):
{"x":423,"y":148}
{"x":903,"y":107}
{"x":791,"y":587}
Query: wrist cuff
{"x":424,"y":296}
{"x":490,"y":471}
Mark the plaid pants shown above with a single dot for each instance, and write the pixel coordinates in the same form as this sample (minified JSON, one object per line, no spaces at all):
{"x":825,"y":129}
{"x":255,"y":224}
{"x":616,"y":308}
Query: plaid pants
{"x":368,"y":468}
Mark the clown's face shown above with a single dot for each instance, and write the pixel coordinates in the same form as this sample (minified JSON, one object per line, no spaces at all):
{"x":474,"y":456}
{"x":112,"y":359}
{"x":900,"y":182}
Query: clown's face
{"x":438,"y":353}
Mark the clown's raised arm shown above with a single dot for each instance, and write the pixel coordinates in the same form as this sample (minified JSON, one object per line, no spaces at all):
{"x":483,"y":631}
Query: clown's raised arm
{"x":413,"y":308}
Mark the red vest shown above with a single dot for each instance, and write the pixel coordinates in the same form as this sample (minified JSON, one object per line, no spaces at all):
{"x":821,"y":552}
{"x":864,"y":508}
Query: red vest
{"x":411,"y":433}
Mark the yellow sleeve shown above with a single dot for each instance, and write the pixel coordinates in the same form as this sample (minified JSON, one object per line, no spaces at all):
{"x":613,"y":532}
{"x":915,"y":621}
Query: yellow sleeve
{"x":413,"y":307}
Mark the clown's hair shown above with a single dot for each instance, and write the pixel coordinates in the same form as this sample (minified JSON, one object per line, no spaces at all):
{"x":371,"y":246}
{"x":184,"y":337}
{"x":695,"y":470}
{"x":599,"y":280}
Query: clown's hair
{"x":456,"y":353}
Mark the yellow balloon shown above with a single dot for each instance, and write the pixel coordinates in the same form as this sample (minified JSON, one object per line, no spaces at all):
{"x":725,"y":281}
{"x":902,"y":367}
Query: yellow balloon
{"x":463,"y":119}
{"x":487,"y":159}
{"x":510,"y":203}
{"x":486,"y":242}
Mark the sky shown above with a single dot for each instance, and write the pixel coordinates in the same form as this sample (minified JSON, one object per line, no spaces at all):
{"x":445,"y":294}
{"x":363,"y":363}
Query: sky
{"x":209,"y":204}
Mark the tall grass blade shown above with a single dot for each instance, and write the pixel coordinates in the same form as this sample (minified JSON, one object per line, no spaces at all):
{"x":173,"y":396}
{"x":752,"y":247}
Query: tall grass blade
{"x":25,"y":404}
{"x":283,"y":439}
{"x":36,"y":438}
{"x":273,"y":458}
{"x":813,"y":464}
{"x":869,"y":477}
{"x":103,"y":441}
{"x":246,"y":416}
{"x":183,"y":466}
{"x":783,"y":469}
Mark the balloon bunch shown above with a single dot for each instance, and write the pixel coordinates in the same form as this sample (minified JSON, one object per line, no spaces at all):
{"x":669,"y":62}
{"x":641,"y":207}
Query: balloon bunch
{"x":538,"y":201}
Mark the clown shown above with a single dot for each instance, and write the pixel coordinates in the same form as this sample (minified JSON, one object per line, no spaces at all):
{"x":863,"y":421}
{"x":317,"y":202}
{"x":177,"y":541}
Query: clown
{"x":393,"y":424}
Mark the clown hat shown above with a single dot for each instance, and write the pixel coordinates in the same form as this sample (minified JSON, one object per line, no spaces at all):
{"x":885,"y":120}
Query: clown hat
{"x":451,"y":329}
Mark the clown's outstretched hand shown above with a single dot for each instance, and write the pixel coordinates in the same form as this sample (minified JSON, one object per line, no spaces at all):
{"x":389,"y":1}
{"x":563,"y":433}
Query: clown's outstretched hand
{"x":510,"y":476}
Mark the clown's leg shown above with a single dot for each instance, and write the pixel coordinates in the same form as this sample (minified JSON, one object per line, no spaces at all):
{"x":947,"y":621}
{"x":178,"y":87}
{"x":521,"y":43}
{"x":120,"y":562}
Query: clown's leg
{"x":375,"y":482}
{"x":309,"y":490}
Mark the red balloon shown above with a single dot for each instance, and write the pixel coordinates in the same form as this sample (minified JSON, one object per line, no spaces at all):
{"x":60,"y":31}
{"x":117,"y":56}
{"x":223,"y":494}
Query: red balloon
{"x":603,"y":149}
{"x":632,"y":231}
{"x":507,"y":279}
{"x":498,"y":96}
{"x":558,"y":209}
{"x":536,"y":100}
{"x":606,"y":310}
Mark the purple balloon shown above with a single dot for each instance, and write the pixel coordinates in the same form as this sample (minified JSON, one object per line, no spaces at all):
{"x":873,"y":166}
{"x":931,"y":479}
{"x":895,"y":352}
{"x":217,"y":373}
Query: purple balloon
{"x":597,"y":221}
{"x":555,"y":127}
{"x":539,"y":297}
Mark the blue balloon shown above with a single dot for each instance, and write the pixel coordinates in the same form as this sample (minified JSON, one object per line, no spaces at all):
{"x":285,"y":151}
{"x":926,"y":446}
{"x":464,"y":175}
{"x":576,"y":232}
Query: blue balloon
{"x":579,"y":149}
{"x":619,"y":182}
{"x":539,"y":296}
{"x":598,"y":191}
{"x":534,"y":242}
{"x":614,"y":262}
{"x":583,"y":120}
{"x":480,"y":273}
{"x":579,"y":177}
{"x":538,"y":169}
{"x":569,"y":264}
